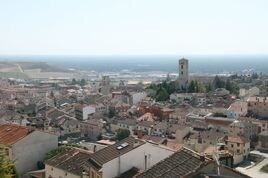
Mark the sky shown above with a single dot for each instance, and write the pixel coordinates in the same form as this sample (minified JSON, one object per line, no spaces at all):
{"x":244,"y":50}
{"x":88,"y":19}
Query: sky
{"x":133,"y":27}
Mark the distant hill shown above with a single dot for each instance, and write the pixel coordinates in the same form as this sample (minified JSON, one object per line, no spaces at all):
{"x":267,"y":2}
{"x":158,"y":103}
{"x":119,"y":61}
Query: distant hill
{"x":23,"y":66}
{"x":43,"y":66}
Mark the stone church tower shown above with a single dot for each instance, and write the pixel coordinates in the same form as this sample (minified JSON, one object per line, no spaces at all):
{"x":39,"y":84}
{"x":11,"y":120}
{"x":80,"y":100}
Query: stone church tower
{"x":105,"y":85}
{"x":183,"y":73}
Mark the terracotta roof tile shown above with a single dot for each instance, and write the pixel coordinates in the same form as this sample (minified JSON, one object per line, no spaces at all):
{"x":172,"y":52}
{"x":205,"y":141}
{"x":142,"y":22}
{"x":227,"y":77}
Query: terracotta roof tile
{"x":240,"y":140}
{"x":111,"y":152}
{"x":179,"y":164}
{"x":71,"y":160}
{"x":11,"y":133}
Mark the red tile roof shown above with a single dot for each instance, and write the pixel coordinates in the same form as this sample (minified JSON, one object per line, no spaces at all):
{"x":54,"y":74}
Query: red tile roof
{"x":236,"y":139}
{"x":11,"y":133}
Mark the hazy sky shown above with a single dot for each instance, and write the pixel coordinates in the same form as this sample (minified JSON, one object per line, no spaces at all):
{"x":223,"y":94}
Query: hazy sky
{"x":127,"y":27}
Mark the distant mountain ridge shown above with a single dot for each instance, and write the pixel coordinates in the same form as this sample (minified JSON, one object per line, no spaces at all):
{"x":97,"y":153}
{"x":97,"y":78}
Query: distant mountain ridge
{"x":12,"y":66}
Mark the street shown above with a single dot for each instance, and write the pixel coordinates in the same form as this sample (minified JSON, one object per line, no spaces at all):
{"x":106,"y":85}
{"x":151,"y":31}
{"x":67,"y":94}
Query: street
{"x":254,"y":171}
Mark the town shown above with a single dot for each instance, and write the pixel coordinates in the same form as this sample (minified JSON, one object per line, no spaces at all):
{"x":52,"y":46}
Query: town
{"x":183,"y":126}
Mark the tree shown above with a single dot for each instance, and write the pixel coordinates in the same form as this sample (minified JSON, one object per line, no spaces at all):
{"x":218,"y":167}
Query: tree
{"x":219,"y":114}
{"x":51,"y":94}
{"x":200,"y":87}
{"x":162,"y":94}
{"x":232,"y":87}
{"x":73,"y":81}
{"x":236,"y":89}
{"x":218,"y":82}
{"x":6,"y":165}
{"x":162,"y":91}
{"x":196,"y":87}
{"x":171,"y":87}
{"x":191,"y":88}
{"x":122,"y":133}
{"x":168,"y":78}
{"x":254,"y":76}
{"x":208,"y":87}
{"x":99,"y":137}
{"x":82,"y":82}
{"x":111,"y":113}
{"x":54,"y":152}
{"x":40,"y":165}
{"x":228,"y":85}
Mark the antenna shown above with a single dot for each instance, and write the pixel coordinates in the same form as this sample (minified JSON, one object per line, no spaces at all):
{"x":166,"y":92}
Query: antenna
{"x":216,"y":158}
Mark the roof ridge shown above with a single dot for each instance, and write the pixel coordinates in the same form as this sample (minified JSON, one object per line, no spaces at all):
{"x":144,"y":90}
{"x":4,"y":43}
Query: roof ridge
{"x":192,"y":151}
{"x":185,"y":150}
{"x":177,"y":165}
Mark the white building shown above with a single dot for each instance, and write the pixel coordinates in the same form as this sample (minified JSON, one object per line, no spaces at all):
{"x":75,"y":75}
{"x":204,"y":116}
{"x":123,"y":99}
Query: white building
{"x":237,"y":109}
{"x":129,"y":124}
{"x":82,"y":111}
{"x":137,"y":97}
{"x":181,"y":97}
{"x":239,"y":146}
{"x":116,"y":159}
{"x":221,"y":92}
{"x":254,"y":91}
{"x":26,"y":146}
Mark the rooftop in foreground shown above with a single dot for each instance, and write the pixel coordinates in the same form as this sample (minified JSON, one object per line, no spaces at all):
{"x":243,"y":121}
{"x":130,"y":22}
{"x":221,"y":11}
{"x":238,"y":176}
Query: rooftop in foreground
{"x":11,"y":133}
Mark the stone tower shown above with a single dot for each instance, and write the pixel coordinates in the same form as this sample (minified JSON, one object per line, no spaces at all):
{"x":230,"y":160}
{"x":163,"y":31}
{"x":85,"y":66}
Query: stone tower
{"x":183,"y":73}
{"x":105,"y":85}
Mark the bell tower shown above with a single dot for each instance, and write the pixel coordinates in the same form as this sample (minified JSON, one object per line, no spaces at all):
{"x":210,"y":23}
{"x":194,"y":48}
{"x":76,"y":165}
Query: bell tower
{"x":183,"y":73}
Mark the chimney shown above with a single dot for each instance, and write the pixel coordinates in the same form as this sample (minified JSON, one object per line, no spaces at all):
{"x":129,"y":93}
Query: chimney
{"x":136,"y":143}
{"x":94,"y":148}
{"x":85,"y":174}
{"x":202,"y":157}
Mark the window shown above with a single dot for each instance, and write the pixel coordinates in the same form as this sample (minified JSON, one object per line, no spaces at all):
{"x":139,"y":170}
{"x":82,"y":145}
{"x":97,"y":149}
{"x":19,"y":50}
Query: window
{"x":238,"y":144}
{"x":232,"y":145}
{"x":181,"y":72}
{"x":181,"y":66}
{"x":238,"y":151}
